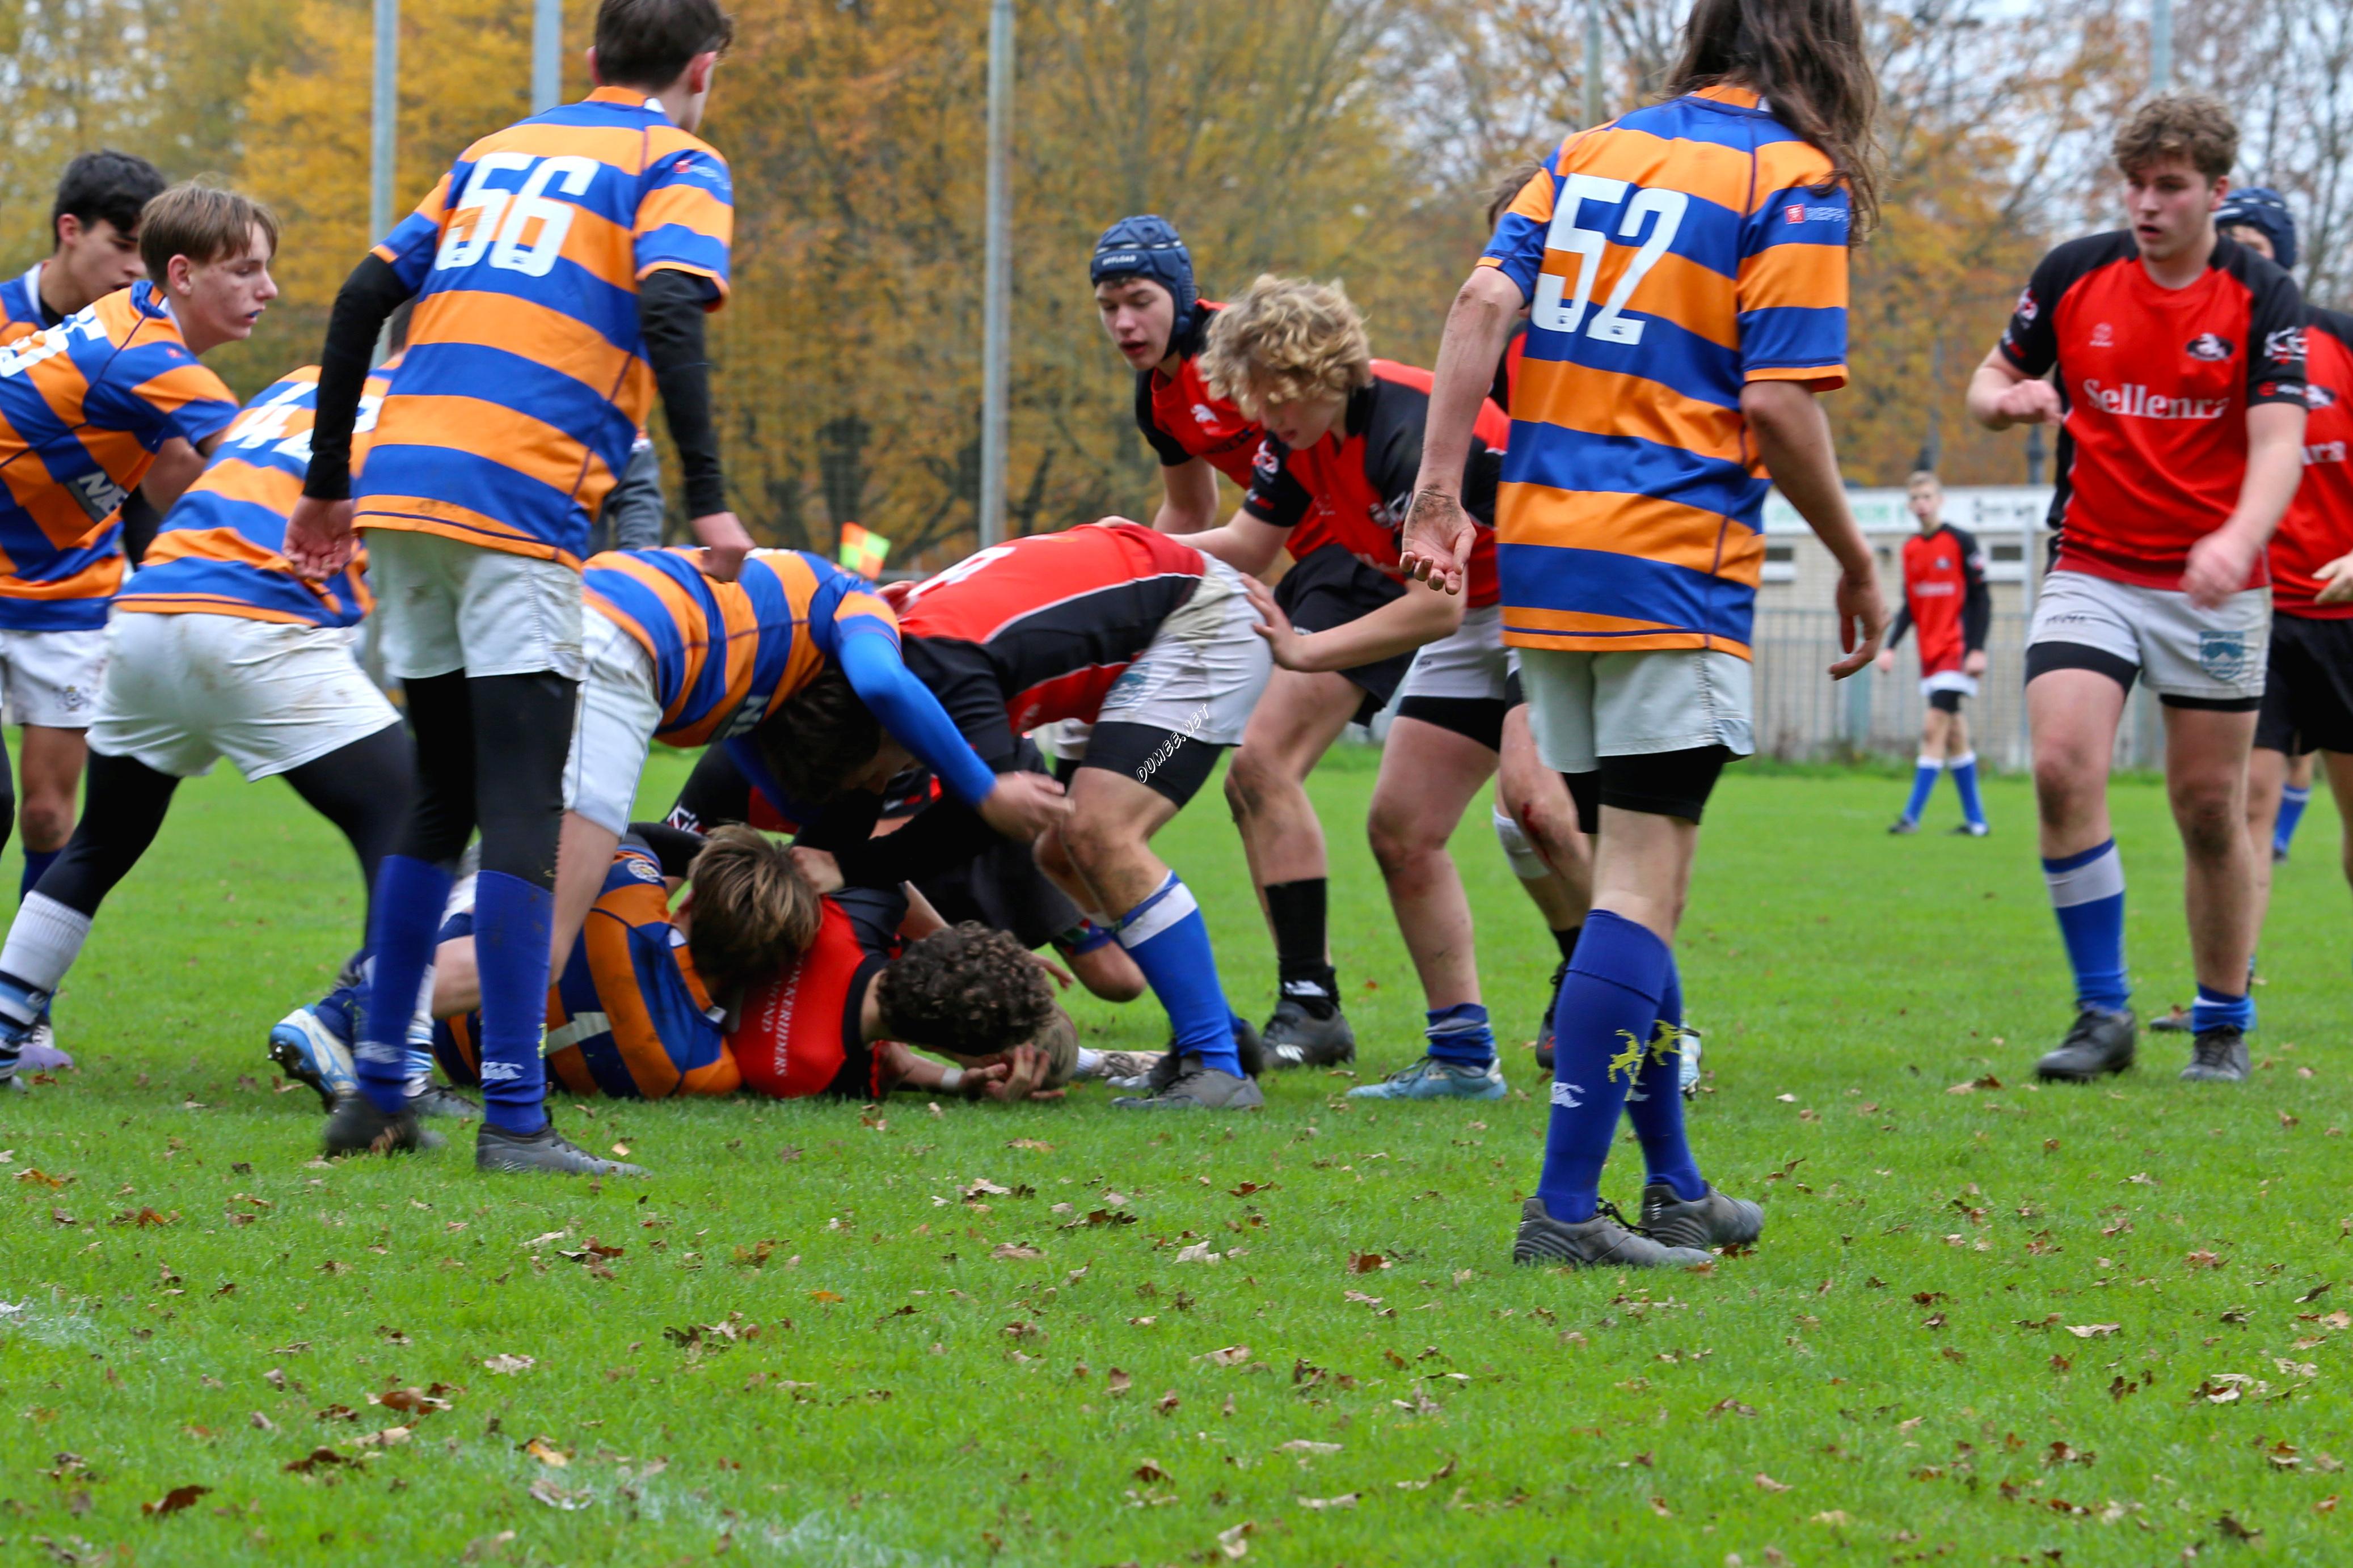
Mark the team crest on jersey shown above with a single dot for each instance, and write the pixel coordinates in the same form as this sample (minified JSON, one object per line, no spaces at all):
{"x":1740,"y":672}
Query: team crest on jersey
{"x":2318,"y":396}
{"x":2104,"y":336}
{"x":1204,"y":414}
{"x":2224,"y":655}
{"x":644,"y":871}
{"x":1266,"y":465}
{"x":2027,"y":307}
{"x":2208,"y":346}
{"x":2285,"y":344}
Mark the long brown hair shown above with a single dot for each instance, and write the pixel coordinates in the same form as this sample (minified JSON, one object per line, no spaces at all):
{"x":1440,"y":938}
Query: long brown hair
{"x":1804,"y":57}
{"x":753,"y":913}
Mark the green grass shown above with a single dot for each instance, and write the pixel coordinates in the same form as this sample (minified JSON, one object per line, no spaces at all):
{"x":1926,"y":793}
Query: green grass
{"x":864,"y":1380}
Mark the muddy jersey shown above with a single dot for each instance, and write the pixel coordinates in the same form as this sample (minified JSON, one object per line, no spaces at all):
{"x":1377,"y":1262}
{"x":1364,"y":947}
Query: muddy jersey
{"x":2155,"y":385}
{"x":1945,"y":596}
{"x":800,"y":1033}
{"x":1183,"y":419}
{"x":1036,"y":629}
{"x":1353,"y":488}
{"x":2319,"y":527}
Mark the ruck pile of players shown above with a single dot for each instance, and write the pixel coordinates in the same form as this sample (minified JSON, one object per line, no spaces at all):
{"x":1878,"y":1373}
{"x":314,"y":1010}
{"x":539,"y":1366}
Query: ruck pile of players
{"x":1540,"y":557}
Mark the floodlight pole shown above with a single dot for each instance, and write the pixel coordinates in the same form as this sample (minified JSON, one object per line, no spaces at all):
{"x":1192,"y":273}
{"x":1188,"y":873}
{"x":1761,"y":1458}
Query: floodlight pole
{"x":546,"y":54}
{"x":1593,"y":113}
{"x":384,"y":127}
{"x":997,"y":281}
{"x":2160,"y":45}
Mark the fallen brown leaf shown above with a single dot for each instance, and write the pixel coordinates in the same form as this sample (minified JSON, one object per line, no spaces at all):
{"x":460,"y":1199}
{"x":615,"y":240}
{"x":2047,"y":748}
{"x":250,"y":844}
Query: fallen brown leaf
{"x":176,"y":1500}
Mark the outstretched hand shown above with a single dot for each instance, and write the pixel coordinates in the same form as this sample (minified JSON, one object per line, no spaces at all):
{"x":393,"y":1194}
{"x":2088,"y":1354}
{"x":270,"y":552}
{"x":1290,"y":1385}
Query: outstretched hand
{"x":725,"y":545}
{"x":318,"y":541}
{"x":1437,"y":538}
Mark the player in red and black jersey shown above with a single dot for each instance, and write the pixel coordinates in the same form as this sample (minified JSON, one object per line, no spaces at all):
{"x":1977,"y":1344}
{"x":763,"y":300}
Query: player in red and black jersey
{"x":1343,"y":449}
{"x":1155,"y":646}
{"x":1944,"y":595}
{"x":1143,"y":279}
{"x":2178,"y":387}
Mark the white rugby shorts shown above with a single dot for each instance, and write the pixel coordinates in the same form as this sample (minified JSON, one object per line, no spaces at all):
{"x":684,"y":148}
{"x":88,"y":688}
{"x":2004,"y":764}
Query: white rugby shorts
{"x":51,"y":680}
{"x":1584,"y":706}
{"x":1202,"y":673}
{"x":1470,"y":665}
{"x":620,"y":709}
{"x":2217,"y":655}
{"x":443,"y":607}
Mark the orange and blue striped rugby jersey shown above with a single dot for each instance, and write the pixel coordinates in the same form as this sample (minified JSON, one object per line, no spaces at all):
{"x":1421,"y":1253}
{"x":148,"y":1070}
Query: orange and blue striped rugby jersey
{"x":525,"y":380}
{"x":84,"y":407}
{"x":727,"y":655}
{"x":1669,"y":257}
{"x":222,"y":550}
{"x":21,"y":312}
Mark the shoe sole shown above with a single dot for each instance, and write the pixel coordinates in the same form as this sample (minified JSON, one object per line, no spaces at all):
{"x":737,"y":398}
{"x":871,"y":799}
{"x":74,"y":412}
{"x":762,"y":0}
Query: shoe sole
{"x":286,"y":1050}
{"x":2062,"y":1075}
{"x":1485,"y":1095}
{"x":1543,"y":1247}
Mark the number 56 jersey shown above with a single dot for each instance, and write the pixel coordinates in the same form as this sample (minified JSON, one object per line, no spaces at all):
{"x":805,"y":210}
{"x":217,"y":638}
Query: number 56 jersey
{"x":525,"y":380}
{"x":1669,"y":257}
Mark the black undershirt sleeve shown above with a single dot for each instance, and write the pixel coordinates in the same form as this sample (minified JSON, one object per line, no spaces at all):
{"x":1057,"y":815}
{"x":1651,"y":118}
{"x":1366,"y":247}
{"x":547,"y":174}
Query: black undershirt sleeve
{"x":670,"y":313}
{"x":1902,"y":624}
{"x":366,"y":300}
{"x":140,"y":521}
{"x":1977,"y":599}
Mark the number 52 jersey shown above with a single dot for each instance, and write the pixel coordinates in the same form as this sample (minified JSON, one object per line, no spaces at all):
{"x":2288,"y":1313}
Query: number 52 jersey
{"x":526,"y":381}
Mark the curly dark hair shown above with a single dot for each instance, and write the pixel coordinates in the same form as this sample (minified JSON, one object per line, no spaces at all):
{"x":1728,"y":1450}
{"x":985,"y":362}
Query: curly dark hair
{"x":969,"y":991}
{"x":820,"y":736}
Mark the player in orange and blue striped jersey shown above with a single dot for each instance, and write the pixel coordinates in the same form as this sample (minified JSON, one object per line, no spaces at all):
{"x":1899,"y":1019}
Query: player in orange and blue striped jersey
{"x":89,"y":410}
{"x":1684,"y":272}
{"x":676,"y":657}
{"x":561,"y":271}
{"x":94,"y":240}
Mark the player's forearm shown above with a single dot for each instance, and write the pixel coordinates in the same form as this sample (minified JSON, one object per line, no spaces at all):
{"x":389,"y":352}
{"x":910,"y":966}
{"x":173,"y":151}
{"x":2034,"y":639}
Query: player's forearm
{"x":1477,"y":329}
{"x":1794,"y":439}
{"x":366,"y":300}
{"x":669,"y":313}
{"x":1423,"y":615}
{"x":176,"y":467}
{"x":1189,"y":498}
{"x":2275,"y":470}
{"x":1243,"y":542}
{"x":1987,"y":383}
{"x":909,"y":710}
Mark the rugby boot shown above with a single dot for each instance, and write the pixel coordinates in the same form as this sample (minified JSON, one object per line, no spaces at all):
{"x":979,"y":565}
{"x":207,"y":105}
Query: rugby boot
{"x":307,"y":1049}
{"x":2100,"y":1042}
{"x":1198,"y":1087}
{"x":2218,"y":1055}
{"x":356,"y":1126}
{"x":2177,"y":1022}
{"x":1969,"y":830}
{"x":1902,"y":826}
{"x":1430,"y":1078}
{"x":1551,"y":1005}
{"x":1603,"y":1242}
{"x":446,"y":1104}
{"x":496,"y":1149}
{"x":39,"y":1052}
{"x":1294,"y":1038}
{"x":1713,"y":1220}
{"x":1171,"y":1061}
{"x":1118,"y":1067}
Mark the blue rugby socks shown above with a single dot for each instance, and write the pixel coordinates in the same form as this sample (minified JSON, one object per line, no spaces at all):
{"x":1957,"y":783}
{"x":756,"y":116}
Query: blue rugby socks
{"x":1170,"y":943}
{"x":2087,"y":891}
{"x":512,"y":919}
{"x":402,"y":920}
{"x":2219,"y":1009}
{"x":1607,"y":1006}
{"x":2292,"y":804}
{"x":1461,"y":1034}
{"x":35,"y":862}
{"x":1655,"y":1106}
{"x":1965,"y":780}
{"x":1924,"y":784}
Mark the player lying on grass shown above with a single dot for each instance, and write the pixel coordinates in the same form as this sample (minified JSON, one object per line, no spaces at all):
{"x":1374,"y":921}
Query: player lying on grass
{"x":2179,"y":396}
{"x":1002,"y":887}
{"x":1649,"y":414}
{"x":1944,"y":595}
{"x":677,"y":657}
{"x":93,"y":407}
{"x":1343,"y":443}
{"x":756,"y":983}
{"x":1152,"y":644}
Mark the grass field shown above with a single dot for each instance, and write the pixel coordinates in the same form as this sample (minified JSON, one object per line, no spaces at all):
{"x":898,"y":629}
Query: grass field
{"x":1987,"y":1325}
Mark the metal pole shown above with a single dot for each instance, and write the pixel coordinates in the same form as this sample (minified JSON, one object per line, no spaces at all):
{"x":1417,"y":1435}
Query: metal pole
{"x":384,"y":130}
{"x":997,"y":284}
{"x":546,"y":54}
{"x":1593,"y":113}
{"x":2160,"y":45}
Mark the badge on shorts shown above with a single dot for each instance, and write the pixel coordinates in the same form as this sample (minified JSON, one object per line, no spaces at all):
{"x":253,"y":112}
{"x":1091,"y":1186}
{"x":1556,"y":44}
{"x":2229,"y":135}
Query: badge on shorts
{"x":2224,"y":655}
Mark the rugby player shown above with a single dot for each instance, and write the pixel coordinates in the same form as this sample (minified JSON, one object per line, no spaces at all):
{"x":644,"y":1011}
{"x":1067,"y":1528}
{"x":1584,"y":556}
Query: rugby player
{"x":2180,"y":396}
{"x":1152,"y":644}
{"x":1652,"y":403}
{"x":112,"y":398}
{"x":677,"y":657}
{"x":1344,"y":441}
{"x":1944,"y":595}
{"x":561,"y":270}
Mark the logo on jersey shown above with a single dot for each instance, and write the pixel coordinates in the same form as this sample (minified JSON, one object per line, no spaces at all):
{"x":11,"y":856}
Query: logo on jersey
{"x":2209,"y":347}
{"x":644,"y":871}
{"x":2286,"y":343}
{"x":1204,"y":414}
{"x":1266,"y":465}
{"x":1797,"y":213}
{"x":2027,"y":307}
{"x":2224,"y":655}
{"x":2137,"y":401}
{"x":2315,"y":396}
{"x":2104,"y":336}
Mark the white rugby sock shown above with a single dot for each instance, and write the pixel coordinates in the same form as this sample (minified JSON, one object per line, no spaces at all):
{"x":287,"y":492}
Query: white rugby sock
{"x":44,"y":941}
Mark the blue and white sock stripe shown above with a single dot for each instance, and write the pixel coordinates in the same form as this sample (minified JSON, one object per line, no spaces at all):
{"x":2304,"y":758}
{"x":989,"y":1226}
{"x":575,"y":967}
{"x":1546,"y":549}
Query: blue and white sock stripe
{"x":2095,"y":874}
{"x":1463,"y":1018}
{"x":1929,"y":763}
{"x":1966,"y":759}
{"x":1169,"y":903}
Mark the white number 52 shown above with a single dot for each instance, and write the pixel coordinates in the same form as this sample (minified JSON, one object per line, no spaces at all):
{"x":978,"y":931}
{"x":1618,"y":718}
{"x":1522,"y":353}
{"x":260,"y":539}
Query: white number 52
{"x":1555,"y":313}
{"x":491,"y":221}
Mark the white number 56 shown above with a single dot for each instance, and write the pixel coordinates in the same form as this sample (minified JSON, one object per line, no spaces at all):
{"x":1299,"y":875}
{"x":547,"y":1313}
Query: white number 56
{"x":1555,"y":313}
{"x":495,"y":221}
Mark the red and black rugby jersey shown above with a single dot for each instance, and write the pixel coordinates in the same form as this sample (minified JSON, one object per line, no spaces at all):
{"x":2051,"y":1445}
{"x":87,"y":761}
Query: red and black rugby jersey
{"x":2319,"y":527}
{"x":800,"y":1033}
{"x":1183,"y":419}
{"x":1025,"y":633}
{"x":2155,"y":383}
{"x":1353,"y":488}
{"x":1944,"y":595}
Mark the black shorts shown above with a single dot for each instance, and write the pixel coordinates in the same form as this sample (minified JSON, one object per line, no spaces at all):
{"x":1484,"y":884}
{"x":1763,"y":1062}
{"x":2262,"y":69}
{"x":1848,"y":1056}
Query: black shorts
{"x":1944,"y":700}
{"x":1329,"y":587}
{"x":1479,"y":719}
{"x":1660,"y":783}
{"x":1003,"y":888}
{"x":1174,"y":766}
{"x":2308,"y":687}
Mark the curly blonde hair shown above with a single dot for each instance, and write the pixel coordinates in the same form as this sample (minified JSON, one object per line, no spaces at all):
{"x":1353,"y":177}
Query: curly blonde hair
{"x":2190,"y":125}
{"x":1287,"y":340}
